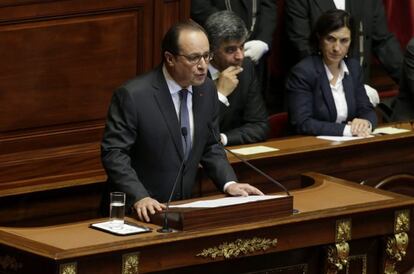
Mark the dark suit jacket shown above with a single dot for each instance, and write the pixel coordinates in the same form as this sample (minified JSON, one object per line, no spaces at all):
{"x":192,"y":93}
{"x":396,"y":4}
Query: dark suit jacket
{"x":301,"y":15}
{"x":311,"y":104}
{"x":265,"y":22}
{"x":404,"y":105}
{"x":245,"y":120}
{"x":142,"y":148}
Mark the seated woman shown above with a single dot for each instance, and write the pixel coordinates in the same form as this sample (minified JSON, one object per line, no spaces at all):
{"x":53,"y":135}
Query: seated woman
{"x":326,"y":94}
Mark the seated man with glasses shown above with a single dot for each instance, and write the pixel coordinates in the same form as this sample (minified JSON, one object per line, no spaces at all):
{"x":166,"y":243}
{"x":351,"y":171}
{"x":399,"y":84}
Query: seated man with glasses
{"x":243,"y":115}
{"x":162,"y":122}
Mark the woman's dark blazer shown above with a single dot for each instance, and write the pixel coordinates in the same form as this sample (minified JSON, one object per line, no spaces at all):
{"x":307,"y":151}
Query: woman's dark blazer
{"x":311,"y":104}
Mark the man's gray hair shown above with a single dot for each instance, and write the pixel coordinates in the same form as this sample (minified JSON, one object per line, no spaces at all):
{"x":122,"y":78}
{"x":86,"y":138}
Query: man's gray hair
{"x":224,"y":26}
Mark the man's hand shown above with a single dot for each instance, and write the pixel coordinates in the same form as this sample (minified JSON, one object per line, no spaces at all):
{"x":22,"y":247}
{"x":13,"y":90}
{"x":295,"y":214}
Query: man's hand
{"x":360,"y":127}
{"x":147,"y":206}
{"x":228,"y":80}
{"x":238,"y":189}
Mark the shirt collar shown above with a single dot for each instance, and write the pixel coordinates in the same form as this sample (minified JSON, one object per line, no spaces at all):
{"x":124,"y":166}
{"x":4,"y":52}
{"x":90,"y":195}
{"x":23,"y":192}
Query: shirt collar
{"x":173,"y":86}
{"x":215,"y":73}
{"x":343,"y":69}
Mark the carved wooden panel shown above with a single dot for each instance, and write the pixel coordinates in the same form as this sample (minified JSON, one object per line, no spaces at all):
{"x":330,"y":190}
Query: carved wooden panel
{"x":169,"y":13}
{"x":60,"y":61}
{"x":65,"y":70}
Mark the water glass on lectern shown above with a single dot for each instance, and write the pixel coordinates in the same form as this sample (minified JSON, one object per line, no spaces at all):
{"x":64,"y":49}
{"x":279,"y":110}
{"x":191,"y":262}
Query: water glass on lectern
{"x":117,"y":209}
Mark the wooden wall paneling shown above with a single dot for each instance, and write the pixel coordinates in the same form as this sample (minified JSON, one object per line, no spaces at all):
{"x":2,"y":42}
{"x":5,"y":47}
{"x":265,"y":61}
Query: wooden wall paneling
{"x":57,"y":76}
{"x":64,"y":71}
{"x":168,"y":13}
{"x":60,"y":61}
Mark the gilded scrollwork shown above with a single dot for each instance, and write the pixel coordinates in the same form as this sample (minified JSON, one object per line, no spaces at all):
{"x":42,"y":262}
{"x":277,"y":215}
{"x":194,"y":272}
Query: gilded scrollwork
{"x":402,"y":221}
{"x":362,"y":258}
{"x":338,"y":254}
{"x":8,"y":262}
{"x":238,"y":247}
{"x":68,"y":268}
{"x":337,"y":257}
{"x":343,"y":230}
{"x":130,"y":263}
{"x":395,"y":251}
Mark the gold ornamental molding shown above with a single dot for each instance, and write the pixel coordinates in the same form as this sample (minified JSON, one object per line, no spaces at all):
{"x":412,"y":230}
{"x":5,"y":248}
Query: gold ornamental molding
{"x":338,"y":254}
{"x":337,"y":257}
{"x":343,"y":231}
{"x":395,"y":251}
{"x":130,"y":263}
{"x":238,"y":248}
{"x":362,"y":258}
{"x":8,"y":262}
{"x":402,"y":221}
{"x":68,"y":268}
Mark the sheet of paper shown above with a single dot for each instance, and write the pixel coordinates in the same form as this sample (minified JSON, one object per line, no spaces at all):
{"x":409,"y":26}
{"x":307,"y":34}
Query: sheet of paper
{"x":226,"y":201}
{"x":340,"y":138}
{"x":389,"y":130}
{"x":253,"y":150}
{"x":125,"y":230}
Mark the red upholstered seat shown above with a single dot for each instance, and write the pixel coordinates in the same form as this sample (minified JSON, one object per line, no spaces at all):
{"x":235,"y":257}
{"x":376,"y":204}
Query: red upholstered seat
{"x":279,"y":123}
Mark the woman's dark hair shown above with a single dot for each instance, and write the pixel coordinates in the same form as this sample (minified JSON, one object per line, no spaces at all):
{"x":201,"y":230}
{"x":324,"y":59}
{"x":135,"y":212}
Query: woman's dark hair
{"x":170,"y":40}
{"x":330,"y":21}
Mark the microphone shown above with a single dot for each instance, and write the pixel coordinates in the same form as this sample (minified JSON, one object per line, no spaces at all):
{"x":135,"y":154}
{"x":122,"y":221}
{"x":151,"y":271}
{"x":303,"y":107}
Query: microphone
{"x":210,"y":127}
{"x":165,"y":228}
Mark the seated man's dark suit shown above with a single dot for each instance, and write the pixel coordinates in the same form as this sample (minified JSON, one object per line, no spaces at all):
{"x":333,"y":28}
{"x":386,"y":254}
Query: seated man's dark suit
{"x":311,"y":104}
{"x":142,"y":147}
{"x":266,"y":15}
{"x":404,"y":105}
{"x":244,"y":121}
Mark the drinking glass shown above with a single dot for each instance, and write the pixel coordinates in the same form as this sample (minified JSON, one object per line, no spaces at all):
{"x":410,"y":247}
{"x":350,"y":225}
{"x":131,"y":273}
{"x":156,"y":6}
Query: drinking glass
{"x":117,"y":209}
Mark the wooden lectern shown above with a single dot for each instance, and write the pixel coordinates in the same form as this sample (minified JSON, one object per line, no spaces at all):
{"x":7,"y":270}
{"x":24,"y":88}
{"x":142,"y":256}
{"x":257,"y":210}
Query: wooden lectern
{"x":198,"y":218}
{"x":341,"y":227}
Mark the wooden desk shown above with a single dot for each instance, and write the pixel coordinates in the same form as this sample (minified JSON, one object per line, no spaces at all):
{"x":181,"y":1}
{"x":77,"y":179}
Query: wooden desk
{"x":333,"y":213}
{"x":68,"y":182}
{"x":369,"y":160}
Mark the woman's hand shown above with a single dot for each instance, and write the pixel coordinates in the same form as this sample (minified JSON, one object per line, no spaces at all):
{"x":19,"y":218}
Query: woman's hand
{"x":360,"y":127}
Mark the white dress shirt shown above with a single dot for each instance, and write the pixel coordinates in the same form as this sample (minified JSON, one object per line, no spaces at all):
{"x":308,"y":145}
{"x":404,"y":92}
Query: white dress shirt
{"x":338,"y":94}
{"x":174,"y":89}
{"x":215,"y":74}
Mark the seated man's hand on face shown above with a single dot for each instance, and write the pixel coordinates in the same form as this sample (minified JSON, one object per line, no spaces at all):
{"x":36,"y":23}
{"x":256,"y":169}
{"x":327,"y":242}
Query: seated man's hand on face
{"x":228,"y":80}
{"x":147,"y":206}
{"x":238,"y":189}
{"x":360,"y":127}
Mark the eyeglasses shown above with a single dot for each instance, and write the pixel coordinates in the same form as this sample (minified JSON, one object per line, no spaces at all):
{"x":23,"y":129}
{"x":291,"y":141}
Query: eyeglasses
{"x":196,"y":58}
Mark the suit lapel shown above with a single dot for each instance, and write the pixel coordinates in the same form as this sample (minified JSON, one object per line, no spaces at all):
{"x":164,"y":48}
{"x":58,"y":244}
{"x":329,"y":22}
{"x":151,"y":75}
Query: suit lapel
{"x":325,"y":5}
{"x":166,"y":106}
{"x":326,"y":88}
{"x":198,"y":119}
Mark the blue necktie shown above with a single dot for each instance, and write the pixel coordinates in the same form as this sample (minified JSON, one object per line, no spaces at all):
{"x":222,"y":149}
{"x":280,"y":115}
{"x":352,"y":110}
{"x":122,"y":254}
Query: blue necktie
{"x":185,"y":123}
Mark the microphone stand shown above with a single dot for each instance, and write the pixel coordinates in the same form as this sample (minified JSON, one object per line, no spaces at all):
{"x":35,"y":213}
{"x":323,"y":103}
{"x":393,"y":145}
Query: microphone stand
{"x":247,"y":163}
{"x":165,"y":228}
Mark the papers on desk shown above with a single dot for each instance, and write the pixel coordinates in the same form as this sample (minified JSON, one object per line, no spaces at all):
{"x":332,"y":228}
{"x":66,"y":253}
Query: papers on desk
{"x":378,"y":131}
{"x":340,"y":138}
{"x":389,"y":130}
{"x":126,"y":229}
{"x":254,"y":150}
{"x":226,"y":201}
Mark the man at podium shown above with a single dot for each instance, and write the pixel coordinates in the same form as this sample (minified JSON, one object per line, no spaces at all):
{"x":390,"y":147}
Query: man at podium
{"x":160,"y":128}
